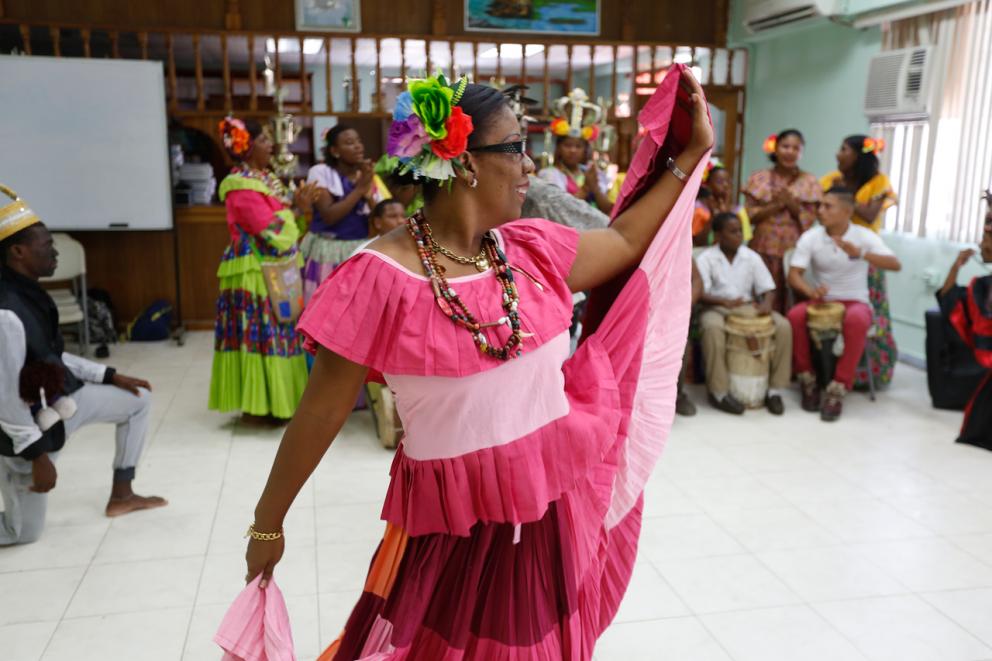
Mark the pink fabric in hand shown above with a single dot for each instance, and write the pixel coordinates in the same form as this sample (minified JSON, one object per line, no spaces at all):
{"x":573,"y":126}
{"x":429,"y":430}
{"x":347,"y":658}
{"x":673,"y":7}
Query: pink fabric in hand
{"x":256,"y":626}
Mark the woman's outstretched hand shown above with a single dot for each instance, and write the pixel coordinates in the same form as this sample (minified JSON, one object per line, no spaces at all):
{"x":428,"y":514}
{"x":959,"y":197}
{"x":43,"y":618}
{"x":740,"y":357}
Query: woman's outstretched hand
{"x":702,"y":129}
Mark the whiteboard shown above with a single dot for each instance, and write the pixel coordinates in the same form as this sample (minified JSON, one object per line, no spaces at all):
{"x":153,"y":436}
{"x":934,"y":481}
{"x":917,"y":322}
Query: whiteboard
{"x":85,"y":142}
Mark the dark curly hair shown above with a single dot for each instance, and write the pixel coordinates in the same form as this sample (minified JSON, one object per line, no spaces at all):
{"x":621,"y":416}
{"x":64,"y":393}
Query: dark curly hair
{"x":331,"y":139}
{"x":866,"y":167}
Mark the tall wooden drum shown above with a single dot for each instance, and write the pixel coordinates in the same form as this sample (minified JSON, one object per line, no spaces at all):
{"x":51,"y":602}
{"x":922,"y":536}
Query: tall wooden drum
{"x":825,"y":322}
{"x":749,"y":352}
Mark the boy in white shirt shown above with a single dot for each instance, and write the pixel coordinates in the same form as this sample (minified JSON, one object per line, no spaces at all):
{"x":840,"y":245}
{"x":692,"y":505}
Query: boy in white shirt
{"x":839,"y":253}
{"x":735,"y":278}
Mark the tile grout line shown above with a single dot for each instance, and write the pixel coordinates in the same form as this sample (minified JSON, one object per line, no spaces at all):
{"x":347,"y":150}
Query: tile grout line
{"x":75,"y":591}
{"x":206,"y":553}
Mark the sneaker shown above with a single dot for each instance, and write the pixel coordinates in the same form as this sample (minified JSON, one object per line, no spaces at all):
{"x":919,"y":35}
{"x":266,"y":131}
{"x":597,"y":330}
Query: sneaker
{"x":811,"y":391}
{"x":728,"y":404}
{"x":833,"y":402}
{"x":684,"y":405}
{"x":775,"y":405}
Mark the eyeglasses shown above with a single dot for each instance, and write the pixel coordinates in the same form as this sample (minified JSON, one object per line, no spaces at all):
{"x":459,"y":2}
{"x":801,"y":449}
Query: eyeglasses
{"x":517,"y":147}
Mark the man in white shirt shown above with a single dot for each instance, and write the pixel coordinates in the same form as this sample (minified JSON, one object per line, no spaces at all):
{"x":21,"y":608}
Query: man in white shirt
{"x":736,"y":280}
{"x":839,"y":252}
{"x":29,"y":336}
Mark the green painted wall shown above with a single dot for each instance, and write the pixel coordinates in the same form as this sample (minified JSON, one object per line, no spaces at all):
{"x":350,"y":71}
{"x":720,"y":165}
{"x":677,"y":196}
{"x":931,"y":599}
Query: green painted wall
{"x":812,"y":79}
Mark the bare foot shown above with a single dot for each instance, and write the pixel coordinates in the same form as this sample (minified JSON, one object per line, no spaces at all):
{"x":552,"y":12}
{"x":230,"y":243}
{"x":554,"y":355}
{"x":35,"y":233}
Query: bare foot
{"x":133,"y":503}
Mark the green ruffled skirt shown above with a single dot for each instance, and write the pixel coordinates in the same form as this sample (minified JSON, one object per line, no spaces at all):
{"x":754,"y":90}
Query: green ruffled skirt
{"x":259,"y":366}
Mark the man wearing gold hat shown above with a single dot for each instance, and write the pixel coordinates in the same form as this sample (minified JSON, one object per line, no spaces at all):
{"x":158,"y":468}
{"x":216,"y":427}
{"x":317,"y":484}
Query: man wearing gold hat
{"x":31,"y":344}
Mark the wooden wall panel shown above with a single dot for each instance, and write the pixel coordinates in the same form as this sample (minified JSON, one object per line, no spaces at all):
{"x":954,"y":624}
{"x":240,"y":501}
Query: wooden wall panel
{"x":669,"y":21}
{"x":412,"y":17}
{"x":276,"y":15}
{"x":137,"y":268}
{"x":650,"y":20}
{"x":202,"y":237}
{"x":702,"y":22}
{"x":207,"y":14}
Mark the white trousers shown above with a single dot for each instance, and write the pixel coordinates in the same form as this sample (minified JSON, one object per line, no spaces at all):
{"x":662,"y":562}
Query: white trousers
{"x":23,"y":517}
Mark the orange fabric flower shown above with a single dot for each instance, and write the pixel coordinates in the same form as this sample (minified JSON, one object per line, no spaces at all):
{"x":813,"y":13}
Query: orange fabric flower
{"x":559,"y":127}
{"x":771,"y":142}
{"x":459,"y":126}
{"x":235,"y":136}
{"x":873,"y":146}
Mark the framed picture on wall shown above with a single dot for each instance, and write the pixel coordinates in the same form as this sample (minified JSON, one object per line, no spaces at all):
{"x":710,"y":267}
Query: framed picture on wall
{"x":329,"y":15}
{"x":579,"y":17}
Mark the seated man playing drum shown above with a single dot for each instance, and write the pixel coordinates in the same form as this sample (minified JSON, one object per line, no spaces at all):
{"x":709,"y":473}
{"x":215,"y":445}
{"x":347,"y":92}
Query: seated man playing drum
{"x":839,"y":252}
{"x":737,"y":284}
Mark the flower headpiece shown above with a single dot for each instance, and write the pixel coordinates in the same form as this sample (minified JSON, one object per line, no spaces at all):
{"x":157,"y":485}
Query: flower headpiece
{"x":873,"y":146}
{"x":237,"y":140}
{"x":713,"y":164}
{"x":577,"y":117}
{"x":771,"y":142}
{"x":429,"y":130}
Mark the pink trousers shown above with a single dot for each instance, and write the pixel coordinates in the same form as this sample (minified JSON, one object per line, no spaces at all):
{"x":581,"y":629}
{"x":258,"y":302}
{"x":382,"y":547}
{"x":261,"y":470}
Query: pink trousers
{"x":857,"y":321}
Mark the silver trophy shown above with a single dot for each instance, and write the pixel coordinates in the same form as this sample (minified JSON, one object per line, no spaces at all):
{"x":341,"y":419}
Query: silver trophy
{"x":285,"y":130}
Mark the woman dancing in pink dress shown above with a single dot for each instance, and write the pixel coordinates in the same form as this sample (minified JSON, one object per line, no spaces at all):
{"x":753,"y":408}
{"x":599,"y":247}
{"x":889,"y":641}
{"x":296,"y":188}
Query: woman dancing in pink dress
{"x":514,"y":508}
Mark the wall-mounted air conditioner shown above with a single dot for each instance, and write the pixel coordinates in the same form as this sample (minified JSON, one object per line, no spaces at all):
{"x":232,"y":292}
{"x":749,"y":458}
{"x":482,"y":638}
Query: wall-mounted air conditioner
{"x":763,"y":15}
{"x":899,"y":85}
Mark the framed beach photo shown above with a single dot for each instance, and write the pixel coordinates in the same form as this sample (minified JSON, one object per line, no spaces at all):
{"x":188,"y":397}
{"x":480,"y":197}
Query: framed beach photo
{"x":578,"y":17}
{"x":329,"y":15}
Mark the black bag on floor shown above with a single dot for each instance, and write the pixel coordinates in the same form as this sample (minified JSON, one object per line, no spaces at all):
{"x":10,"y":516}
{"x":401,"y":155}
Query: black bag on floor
{"x":100,"y":310}
{"x":952,"y":372}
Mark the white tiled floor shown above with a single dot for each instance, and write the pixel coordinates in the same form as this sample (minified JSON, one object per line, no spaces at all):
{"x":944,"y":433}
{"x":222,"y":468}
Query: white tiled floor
{"x":765,"y":539}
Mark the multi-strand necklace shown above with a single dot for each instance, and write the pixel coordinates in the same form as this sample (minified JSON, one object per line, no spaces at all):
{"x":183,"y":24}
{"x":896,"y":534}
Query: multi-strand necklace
{"x":267,"y":177}
{"x":453,"y":306}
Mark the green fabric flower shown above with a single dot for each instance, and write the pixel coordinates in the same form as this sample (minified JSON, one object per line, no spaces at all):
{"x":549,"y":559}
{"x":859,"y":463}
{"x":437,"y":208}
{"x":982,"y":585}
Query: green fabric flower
{"x":432,"y":104}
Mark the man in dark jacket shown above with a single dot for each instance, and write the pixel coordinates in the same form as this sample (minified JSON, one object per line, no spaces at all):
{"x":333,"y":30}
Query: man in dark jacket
{"x":29,"y":335}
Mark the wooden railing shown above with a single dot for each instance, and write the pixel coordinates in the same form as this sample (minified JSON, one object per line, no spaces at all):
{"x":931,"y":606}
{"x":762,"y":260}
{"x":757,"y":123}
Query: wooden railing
{"x":211,"y":73}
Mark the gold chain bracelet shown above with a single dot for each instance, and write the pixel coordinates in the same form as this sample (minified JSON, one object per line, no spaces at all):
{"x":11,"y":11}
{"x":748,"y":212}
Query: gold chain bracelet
{"x":263,"y":536}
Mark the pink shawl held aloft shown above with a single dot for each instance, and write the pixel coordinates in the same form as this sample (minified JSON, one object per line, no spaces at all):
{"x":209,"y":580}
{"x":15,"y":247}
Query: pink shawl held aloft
{"x":663,"y":280}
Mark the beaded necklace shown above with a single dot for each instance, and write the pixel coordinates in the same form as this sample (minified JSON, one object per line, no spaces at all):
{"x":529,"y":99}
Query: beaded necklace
{"x":454,"y":308}
{"x":272,"y":182}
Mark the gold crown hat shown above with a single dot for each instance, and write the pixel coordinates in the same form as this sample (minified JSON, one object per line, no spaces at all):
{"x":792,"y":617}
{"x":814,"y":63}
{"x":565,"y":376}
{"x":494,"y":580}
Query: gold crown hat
{"x":576,"y":116}
{"x":16,"y":215}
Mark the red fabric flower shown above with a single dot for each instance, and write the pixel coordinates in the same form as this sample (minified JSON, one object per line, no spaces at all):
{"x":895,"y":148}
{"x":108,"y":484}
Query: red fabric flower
{"x":454,"y":144}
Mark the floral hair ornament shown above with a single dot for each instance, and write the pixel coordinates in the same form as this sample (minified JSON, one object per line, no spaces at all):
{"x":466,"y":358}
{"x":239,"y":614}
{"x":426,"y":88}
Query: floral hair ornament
{"x":873,"y":146}
{"x":713,"y":164}
{"x":237,"y":140}
{"x":771,"y":142}
{"x":429,"y":131}
{"x":577,"y":117}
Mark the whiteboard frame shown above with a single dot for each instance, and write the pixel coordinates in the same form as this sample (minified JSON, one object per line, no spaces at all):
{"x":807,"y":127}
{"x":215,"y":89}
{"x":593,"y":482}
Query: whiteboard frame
{"x":34,"y":195}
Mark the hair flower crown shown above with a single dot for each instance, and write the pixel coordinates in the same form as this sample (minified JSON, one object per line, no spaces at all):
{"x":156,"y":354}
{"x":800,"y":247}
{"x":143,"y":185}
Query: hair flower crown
{"x":237,"y":140}
{"x":771,"y":142}
{"x":429,"y":131}
{"x":873,"y":146}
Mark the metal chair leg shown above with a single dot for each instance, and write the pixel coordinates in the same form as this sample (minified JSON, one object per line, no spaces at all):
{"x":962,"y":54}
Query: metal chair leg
{"x":85,"y":338}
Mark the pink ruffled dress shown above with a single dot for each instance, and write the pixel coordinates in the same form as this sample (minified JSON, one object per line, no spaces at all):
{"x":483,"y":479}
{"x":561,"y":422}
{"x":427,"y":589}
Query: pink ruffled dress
{"x":514,"y":508}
